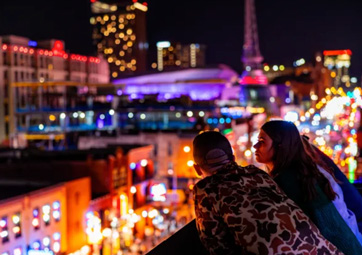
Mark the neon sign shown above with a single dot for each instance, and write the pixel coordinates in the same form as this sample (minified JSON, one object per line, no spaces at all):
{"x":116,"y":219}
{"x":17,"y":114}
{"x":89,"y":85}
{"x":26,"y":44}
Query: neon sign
{"x":40,"y":252}
{"x":58,"y":48}
{"x":158,"y":192}
{"x":337,"y":52}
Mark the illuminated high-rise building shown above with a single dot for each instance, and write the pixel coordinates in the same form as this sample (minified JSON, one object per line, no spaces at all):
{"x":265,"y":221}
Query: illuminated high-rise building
{"x":119,"y":32}
{"x":175,"y":55}
{"x":338,"y":61}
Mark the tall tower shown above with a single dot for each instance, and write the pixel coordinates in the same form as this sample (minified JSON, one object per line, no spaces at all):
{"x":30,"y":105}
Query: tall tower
{"x":251,"y":57}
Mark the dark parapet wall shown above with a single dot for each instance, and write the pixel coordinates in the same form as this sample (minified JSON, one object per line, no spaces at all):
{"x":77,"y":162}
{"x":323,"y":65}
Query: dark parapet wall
{"x":185,"y":241}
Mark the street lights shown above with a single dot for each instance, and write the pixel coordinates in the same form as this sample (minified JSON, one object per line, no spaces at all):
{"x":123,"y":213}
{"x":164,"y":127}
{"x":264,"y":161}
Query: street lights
{"x":93,"y":231}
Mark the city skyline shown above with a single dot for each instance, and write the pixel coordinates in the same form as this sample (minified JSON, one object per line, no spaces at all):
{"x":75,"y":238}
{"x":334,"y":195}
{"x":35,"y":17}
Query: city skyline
{"x":299,"y":29}
{"x":97,"y":153}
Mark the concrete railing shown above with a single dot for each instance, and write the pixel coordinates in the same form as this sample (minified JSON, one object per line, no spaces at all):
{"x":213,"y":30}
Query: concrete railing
{"x":186,"y":241}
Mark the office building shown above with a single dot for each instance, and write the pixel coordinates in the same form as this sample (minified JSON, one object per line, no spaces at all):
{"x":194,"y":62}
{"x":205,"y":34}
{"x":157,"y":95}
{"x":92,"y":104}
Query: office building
{"x":172,"y":56}
{"x":119,"y":33}
{"x":338,"y":61}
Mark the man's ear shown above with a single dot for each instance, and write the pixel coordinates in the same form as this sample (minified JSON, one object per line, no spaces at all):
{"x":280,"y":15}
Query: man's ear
{"x":198,"y":169}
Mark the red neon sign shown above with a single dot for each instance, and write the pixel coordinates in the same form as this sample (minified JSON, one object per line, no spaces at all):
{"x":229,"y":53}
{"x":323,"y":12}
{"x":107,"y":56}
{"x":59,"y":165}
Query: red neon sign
{"x":336,"y":52}
{"x":58,"y":49}
{"x":78,"y":57}
{"x":254,"y":80}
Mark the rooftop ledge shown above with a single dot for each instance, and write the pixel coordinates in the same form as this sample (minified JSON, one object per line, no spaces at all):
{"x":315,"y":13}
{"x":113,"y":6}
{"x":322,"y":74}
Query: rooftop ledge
{"x":186,"y":241}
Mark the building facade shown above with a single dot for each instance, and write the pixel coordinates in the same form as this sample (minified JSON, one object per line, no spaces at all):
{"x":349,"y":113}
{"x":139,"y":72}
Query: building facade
{"x":171,"y":153}
{"x":46,"y":221}
{"x":119,"y":32}
{"x":23,"y":60}
{"x":175,"y":55}
{"x":338,"y":61}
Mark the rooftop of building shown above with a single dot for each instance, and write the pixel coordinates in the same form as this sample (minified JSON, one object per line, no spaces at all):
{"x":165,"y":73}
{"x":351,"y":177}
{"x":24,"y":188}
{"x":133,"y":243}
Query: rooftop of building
{"x":50,"y":47}
{"x":27,"y":170}
{"x":8,"y":155}
{"x":222,"y":73}
{"x":111,"y":6}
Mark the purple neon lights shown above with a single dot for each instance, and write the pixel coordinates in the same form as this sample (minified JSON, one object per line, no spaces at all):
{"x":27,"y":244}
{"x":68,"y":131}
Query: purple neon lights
{"x":209,"y":91}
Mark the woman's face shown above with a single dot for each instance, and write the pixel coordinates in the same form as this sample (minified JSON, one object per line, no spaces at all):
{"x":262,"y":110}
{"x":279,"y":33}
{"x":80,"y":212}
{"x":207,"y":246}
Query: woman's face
{"x":264,"y":148}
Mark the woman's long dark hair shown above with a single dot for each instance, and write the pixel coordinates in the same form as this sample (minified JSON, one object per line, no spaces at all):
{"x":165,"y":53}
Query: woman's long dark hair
{"x":315,"y":155}
{"x":289,"y":153}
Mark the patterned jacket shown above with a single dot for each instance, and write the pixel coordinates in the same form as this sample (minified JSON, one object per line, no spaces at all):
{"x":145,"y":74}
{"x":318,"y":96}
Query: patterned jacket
{"x":242,"y":209}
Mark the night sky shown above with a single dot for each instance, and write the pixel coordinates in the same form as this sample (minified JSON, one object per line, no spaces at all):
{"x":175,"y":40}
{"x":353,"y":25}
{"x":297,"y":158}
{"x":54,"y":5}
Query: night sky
{"x":288,"y":29}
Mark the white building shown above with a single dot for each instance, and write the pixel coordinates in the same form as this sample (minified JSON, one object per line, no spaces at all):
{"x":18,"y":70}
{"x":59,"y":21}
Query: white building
{"x":23,"y":60}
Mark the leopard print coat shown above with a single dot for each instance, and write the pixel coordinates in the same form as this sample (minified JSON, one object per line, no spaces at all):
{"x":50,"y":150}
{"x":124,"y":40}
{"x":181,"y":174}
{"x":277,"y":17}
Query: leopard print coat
{"x":242,"y":209}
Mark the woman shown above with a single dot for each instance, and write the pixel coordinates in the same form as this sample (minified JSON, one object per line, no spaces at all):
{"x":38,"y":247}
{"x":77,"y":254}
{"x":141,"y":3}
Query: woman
{"x":280,"y":148}
{"x":352,"y":197}
{"x":339,"y":202}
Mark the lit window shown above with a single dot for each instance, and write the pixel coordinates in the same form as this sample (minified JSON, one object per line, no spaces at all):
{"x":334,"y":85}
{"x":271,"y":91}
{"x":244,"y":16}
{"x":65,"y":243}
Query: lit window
{"x":46,"y":242}
{"x":56,"y":236}
{"x":36,"y":222}
{"x":144,"y":162}
{"x":4,"y":229}
{"x":36,"y":245}
{"x":46,"y":214}
{"x":190,"y":163}
{"x":56,"y":210}
{"x":17,"y":251}
{"x":17,"y":225}
{"x":56,"y":247}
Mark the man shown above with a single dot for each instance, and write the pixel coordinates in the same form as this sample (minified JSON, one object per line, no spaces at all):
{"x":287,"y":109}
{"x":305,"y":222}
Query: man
{"x":241,"y":210}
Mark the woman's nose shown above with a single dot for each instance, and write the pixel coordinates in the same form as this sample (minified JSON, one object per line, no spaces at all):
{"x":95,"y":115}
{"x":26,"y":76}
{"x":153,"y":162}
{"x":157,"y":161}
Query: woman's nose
{"x":255,"y":146}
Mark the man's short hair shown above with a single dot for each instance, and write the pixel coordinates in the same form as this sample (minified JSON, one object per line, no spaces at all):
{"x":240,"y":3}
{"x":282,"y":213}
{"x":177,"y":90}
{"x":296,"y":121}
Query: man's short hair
{"x":211,"y":150}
